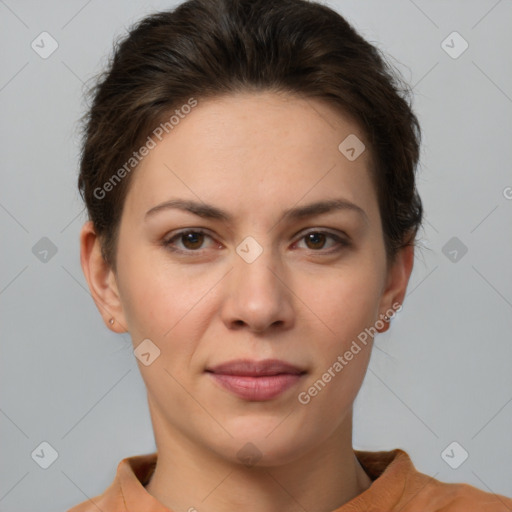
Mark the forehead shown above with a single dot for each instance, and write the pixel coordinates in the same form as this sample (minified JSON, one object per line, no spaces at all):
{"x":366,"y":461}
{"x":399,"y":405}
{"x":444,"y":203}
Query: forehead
{"x":255,"y":150}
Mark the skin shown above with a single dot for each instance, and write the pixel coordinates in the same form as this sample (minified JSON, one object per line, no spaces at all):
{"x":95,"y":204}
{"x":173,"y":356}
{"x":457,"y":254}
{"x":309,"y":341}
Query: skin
{"x":254,"y":155}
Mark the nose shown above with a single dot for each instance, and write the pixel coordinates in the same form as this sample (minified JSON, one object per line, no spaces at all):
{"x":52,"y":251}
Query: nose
{"x":258,"y":295}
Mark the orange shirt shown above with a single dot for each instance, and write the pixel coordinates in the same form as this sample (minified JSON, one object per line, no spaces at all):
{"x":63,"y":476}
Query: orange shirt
{"x":396,"y":486}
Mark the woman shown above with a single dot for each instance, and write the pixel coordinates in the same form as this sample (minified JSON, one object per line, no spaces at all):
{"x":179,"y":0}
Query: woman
{"x":248,"y":168}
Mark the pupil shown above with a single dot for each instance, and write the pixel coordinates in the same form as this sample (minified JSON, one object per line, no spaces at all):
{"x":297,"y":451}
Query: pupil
{"x":193,"y":238}
{"x":313,"y":237}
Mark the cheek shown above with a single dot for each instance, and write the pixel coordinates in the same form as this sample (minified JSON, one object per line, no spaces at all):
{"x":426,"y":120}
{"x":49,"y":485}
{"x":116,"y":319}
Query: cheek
{"x":347,"y":306}
{"x":349,"y":300}
{"x":167,"y":306}
{"x":152,"y":296}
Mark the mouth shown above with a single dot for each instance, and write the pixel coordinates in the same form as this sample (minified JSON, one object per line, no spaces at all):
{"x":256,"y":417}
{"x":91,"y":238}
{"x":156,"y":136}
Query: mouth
{"x":256,"y":380}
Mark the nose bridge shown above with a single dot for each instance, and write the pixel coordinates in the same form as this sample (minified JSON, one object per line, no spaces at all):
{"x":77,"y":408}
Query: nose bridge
{"x":258,"y":297}
{"x":256,"y":265}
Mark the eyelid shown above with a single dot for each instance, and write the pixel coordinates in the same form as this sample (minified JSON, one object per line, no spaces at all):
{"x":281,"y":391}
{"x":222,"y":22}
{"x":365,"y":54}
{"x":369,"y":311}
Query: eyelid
{"x":325,"y":231}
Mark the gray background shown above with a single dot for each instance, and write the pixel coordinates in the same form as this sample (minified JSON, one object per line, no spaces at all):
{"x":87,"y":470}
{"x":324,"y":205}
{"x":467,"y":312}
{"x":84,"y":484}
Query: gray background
{"x":442,"y":373}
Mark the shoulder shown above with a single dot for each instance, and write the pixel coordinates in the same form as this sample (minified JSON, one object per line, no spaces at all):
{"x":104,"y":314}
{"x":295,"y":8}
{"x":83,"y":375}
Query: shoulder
{"x":106,"y":502}
{"x":398,"y":484}
{"x":456,"y":497}
{"x":111,"y":499}
{"x":425,"y":493}
{"x":128,"y":487}
{"x":86,"y":506}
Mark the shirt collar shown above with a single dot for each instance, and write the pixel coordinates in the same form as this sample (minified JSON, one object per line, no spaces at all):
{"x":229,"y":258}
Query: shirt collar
{"x":388,"y":471}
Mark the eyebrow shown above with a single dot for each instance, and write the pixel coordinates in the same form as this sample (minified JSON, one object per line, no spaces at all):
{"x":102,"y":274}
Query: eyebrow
{"x":208,"y":211}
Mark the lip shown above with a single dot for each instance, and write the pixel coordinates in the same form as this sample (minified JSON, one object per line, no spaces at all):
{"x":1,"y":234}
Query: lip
{"x":256,"y":380}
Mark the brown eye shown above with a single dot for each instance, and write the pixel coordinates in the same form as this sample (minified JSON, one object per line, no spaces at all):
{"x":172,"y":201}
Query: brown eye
{"x":187,"y":241}
{"x":323,"y":241}
{"x":192,"y":240}
{"x":315,"y":240}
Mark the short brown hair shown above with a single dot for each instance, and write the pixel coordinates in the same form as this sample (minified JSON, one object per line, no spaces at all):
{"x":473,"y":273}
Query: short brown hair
{"x":207,"y":48}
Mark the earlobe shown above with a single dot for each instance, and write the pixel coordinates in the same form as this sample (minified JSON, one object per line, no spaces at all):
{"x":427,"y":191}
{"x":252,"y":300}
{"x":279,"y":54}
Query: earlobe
{"x":101,"y":279}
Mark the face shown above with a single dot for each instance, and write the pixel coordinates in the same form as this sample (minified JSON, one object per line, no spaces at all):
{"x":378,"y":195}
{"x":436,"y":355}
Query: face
{"x":237,"y":267}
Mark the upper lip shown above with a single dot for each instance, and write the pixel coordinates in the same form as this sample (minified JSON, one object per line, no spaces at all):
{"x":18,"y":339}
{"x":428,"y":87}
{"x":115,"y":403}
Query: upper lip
{"x":250,"y":368}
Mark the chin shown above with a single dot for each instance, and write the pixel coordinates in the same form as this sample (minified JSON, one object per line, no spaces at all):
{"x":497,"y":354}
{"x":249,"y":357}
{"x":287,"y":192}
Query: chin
{"x":265,"y":443}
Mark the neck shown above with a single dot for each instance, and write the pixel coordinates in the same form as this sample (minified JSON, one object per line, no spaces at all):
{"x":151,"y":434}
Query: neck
{"x":189,"y":477}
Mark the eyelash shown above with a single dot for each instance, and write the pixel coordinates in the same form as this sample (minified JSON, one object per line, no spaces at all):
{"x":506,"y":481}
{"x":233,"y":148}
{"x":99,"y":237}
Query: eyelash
{"x":168,"y":243}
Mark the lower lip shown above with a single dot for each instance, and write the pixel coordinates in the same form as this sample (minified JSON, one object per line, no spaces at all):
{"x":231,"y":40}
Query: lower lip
{"x":256,"y":388}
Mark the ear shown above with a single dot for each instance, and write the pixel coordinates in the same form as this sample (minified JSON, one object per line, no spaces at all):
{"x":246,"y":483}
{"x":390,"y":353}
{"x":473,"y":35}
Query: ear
{"x":101,"y":279}
{"x":398,"y":276}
